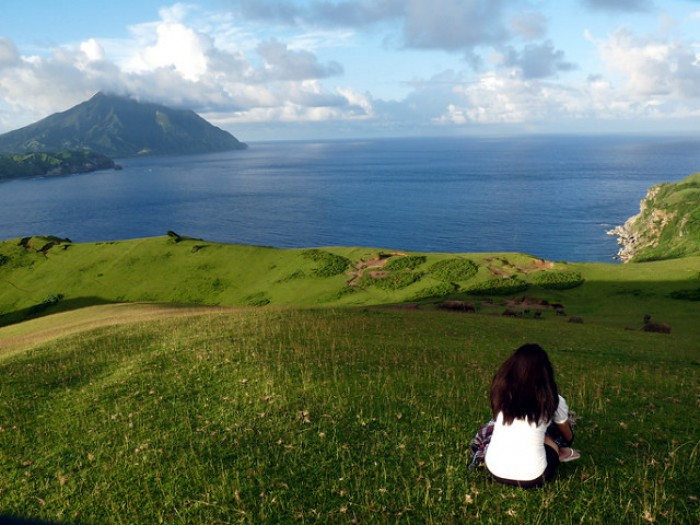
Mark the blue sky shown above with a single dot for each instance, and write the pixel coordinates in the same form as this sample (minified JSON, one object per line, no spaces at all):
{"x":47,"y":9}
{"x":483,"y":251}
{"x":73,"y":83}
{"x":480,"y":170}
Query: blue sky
{"x":286,"y":69}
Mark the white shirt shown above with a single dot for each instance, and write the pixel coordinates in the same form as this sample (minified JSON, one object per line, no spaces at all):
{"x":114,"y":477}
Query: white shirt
{"x":517,"y":451}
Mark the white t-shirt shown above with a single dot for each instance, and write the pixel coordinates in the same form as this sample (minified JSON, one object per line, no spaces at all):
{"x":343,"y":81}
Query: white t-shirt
{"x":516,"y":451}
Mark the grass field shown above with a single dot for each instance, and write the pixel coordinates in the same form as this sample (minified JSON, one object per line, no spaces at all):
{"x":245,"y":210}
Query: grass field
{"x":322,"y":405}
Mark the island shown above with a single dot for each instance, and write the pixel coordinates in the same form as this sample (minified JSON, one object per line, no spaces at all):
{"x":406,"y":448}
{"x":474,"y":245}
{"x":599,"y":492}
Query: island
{"x":120,"y":126}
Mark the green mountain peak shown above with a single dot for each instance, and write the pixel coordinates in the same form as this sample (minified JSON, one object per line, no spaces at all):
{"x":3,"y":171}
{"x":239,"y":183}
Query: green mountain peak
{"x":119,"y":126}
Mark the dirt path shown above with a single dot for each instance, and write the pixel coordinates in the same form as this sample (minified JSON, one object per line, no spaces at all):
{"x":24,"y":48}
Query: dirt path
{"x":375,"y":265}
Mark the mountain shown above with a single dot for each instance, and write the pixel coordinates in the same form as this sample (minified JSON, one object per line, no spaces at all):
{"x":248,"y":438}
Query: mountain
{"x":120,"y":127}
{"x":667,"y":225}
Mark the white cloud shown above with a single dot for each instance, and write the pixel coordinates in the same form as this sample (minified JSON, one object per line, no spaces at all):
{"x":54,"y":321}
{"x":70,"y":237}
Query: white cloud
{"x":620,"y":5}
{"x":537,"y":60}
{"x":653,"y":67}
{"x":176,"y":61}
{"x":9,"y":56}
{"x":176,"y":46}
{"x":454,"y":25}
{"x":92,"y":50}
{"x":282,"y":63}
{"x":529,"y":25}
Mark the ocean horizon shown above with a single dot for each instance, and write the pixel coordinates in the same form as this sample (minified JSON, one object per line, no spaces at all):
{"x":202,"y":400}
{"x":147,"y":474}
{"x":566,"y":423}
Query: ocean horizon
{"x":554,"y":197}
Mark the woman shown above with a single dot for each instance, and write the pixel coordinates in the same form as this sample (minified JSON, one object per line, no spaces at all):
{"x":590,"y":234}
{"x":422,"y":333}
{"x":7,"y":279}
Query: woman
{"x":524,"y":401}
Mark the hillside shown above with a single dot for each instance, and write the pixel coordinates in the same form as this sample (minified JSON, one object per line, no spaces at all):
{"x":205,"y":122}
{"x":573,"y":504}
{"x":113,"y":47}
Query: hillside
{"x":43,"y":275}
{"x":151,"y":414}
{"x":49,"y":164}
{"x":331,"y":385}
{"x":120,"y":127}
{"x":667,"y":225}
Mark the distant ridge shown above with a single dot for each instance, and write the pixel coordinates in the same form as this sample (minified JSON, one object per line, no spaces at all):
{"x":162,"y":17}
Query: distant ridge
{"x":119,"y":126}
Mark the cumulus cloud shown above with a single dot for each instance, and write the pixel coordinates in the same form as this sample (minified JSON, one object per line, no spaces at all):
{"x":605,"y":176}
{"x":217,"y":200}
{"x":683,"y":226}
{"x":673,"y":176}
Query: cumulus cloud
{"x":176,"y":46}
{"x":344,"y":13}
{"x":538,"y":60}
{"x":529,"y":25}
{"x":9,"y":55}
{"x":500,"y":98}
{"x":652,"y":66}
{"x":620,"y":5}
{"x":282,"y":63}
{"x":178,"y":63}
{"x":452,"y":25}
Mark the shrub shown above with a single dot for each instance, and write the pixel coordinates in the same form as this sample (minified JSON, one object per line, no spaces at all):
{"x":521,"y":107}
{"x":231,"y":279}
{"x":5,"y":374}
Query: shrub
{"x":299,"y":274}
{"x":558,"y":280}
{"x":452,"y":270}
{"x":392,"y":281}
{"x":4,"y":259}
{"x":257,"y":299}
{"x":408,"y":262}
{"x":686,"y":295}
{"x":498,"y":287}
{"x":398,"y":280}
{"x":438,"y":290}
{"x":174,"y":236}
{"x":46,"y":303}
{"x":329,"y":263}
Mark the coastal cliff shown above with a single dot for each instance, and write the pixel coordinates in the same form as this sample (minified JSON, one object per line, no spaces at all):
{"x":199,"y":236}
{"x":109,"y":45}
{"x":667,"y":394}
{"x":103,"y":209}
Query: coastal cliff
{"x":667,"y":225}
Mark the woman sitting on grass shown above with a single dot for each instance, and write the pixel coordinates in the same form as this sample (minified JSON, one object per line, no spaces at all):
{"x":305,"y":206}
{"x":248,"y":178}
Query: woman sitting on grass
{"x":525,"y":401}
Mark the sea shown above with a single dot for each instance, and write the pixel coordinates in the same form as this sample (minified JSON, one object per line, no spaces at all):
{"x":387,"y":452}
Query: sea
{"x":554,"y":197}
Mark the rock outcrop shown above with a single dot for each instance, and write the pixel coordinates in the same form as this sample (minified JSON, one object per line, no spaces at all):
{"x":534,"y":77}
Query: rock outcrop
{"x":667,"y":225}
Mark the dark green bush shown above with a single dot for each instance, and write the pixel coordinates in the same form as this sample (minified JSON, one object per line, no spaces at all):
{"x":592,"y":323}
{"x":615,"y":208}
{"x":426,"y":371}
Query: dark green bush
{"x":329,"y":263}
{"x":438,"y":290}
{"x":453,"y":270}
{"x":686,"y":295}
{"x":498,"y":286}
{"x":46,"y":303}
{"x":174,"y":236}
{"x":392,"y":281}
{"x":257,"y":299}
{"x":4,"y":259}
{"x":398,"y":280}
{"x":408,"y":262}
{"x":558,"y":280}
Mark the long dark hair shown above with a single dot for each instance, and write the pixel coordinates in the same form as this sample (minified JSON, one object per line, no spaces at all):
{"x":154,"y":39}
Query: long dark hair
{"x":524,"y":387}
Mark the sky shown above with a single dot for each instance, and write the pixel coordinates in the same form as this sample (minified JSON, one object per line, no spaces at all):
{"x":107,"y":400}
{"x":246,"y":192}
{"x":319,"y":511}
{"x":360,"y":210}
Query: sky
{"x":327,"y":69}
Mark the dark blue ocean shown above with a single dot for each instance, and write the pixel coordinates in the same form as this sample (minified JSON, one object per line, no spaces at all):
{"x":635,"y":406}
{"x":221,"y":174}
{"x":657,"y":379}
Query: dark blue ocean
{"x":553,"y":197}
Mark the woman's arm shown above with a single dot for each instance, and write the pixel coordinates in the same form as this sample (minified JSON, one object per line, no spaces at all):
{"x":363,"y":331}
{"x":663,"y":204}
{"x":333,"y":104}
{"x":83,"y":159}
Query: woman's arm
{"x":565,"y":429}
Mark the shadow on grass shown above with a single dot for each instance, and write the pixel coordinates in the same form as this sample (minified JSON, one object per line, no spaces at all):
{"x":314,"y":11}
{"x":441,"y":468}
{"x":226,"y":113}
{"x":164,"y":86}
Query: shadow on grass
{"x":622,"y":304}
{"x":52,"y":305}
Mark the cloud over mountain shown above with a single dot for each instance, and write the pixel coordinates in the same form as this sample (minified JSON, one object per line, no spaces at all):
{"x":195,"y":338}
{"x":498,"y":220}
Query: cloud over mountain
{"x":376,"y":66}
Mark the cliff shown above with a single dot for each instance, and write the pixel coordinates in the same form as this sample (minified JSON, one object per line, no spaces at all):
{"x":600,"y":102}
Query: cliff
{"x":667,"y":225}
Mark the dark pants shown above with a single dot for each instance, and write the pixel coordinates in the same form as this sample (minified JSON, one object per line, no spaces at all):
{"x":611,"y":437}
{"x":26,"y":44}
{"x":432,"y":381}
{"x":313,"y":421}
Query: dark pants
{"x":548,"y":475}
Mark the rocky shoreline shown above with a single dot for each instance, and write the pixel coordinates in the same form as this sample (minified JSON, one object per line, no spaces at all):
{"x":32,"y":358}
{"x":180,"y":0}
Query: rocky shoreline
{"x":626,"y":239}
{"x":642,"y":231}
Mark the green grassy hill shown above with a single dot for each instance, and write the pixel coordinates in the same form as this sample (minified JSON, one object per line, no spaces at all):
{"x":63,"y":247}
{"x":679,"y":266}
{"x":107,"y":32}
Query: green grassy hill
{"x":44,"y":275}
{"x":329,"y":386}
{"x":145,"y":414}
